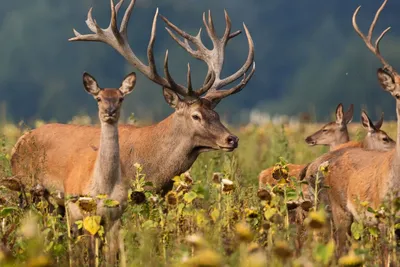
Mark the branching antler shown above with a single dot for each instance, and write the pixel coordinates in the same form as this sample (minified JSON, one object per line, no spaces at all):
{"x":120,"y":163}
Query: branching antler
{"x":214,"y":58}
{"x":118,"y":39}
{"x":367,"y":39}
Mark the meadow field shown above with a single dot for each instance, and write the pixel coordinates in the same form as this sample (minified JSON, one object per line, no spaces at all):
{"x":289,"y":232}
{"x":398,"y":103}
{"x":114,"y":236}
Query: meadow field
{"x":213,"y":217}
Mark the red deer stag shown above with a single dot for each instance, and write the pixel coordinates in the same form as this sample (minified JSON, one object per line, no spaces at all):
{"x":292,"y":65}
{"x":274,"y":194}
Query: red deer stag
{"x":55,"y":153}
{"x":356,"y":174}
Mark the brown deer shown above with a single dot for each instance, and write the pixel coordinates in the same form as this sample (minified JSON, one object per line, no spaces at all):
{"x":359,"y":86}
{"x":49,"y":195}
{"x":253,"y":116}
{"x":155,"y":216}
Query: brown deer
{"x":331,"y":134}
{"x":103,"y":176}
{"x":54,"y":153}
{"x":356,"y":174}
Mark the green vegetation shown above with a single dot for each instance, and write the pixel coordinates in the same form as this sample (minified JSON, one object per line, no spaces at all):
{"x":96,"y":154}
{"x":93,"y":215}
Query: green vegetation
{"x":214,"y":216}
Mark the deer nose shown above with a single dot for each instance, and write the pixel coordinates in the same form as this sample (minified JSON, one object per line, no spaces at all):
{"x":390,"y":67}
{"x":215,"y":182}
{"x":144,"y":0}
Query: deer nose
{"x":232,"y":140}
{"x":111,"y":111}
{"x":310,"y":141}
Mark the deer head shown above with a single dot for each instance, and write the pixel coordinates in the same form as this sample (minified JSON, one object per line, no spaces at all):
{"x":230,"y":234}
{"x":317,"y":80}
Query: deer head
{"x":335,"y":132}
{"x":376,"y":138}
{"x":109,"y":100}
{"x":194,"y":108}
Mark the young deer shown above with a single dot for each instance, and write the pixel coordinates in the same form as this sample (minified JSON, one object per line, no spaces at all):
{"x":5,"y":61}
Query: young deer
{"x":356,"y":174}
{"x":165,"y":149}
{"x":331,"y":134}
{"x":376,"y":139}
{"x":103,"y":176}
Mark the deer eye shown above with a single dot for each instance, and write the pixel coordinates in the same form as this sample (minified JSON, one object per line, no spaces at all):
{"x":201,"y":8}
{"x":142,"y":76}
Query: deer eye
{"x":196,"y":117}
{"x":98,"y":99}
{"x":324,"y":130}
{"x":121,"y":99}
{"x":385,"y":139}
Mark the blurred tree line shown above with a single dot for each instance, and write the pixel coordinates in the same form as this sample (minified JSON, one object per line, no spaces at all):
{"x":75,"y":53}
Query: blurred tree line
{"x":307,"y":53}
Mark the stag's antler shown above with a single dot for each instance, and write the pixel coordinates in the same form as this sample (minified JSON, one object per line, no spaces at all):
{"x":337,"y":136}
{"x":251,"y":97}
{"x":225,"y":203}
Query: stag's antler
{"x":214,"y":58}
{"x":118,"y":39}
{"x":367,"y":39}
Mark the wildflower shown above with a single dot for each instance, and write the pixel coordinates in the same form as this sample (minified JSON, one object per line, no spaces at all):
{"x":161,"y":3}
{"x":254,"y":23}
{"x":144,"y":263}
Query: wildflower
{"x":204,"y":257}
{"x":279,"y":172}
{"x":40,"y":261}
{"x":351,"y":259}
{"x":217,"y":177}
{"x":87,"y":204}
{"x":243,"y":232}
{"x":251,"y":213}
{"x":197,"y":241}
{"x":188,"y":178}
{"x":138,"y":197}
{"x":323,"y":167}
{"x":282,"y":249}
{"x":154,"y":199}
{"x":306,"y":205}
{"x":316,"y":219}
{"x":264,"y":195}
{"x":29,"y":227}
{"x":227,"y":185}
{"x":253,"y":248}
{"x":256,"y":259}
{"x":171,"y":198}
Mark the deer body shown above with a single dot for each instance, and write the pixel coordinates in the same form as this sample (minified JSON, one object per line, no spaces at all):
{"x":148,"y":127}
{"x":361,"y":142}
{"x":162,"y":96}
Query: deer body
{"x":331,"y":134}
{"x":357,"y":174}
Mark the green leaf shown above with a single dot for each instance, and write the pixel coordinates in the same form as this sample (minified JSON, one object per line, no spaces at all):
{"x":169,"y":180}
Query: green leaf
{"x":149,"y":224}
{"x":369,"y":209}
{"x":189,"y":197}
{"x":111,"y":203}
{"x":79,"y":224}
{"x":7,"y":211}
{"x":357,"y":230}
{"x":92,"y":224}
{"x":148,"y":184}
{"x":324,"y":253}
{"x":102,"y":196}
{"x":269,"y":213}
{"x":215,"y":214}
{"x":373,"y":231}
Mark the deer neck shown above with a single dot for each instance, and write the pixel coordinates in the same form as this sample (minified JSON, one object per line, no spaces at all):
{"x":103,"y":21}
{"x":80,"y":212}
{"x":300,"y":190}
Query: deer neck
{"x":344,"y":138}
{"x":165,"y":150}
{"x":107,"y":167}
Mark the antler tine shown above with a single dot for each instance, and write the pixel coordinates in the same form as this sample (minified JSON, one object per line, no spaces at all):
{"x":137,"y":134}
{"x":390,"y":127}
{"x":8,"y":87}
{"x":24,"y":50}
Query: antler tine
{"x":179,"y":89}
{"x":118,"y":39}
{"x":246,"y":66}
{"x":189,"y":81}
{"x":367,"y":39}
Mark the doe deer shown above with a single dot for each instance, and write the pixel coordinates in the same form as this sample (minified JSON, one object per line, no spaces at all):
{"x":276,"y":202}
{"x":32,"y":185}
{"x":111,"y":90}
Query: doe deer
{"x":103,"y":176}
{"x":331,"y":134}
{"x":357,"y":174}
{"x":52,"y":154}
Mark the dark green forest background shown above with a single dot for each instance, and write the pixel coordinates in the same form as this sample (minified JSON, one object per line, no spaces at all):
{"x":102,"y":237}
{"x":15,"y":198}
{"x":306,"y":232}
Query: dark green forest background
{"x":307,"y":54}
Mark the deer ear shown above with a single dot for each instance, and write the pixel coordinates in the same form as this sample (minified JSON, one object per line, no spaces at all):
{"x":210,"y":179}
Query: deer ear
{"x":90,"y":84}
{"x":339,"y":114}
{"x":378,"y":125}
{"x":386,"y":80}
{"x":366,"y":122}
{"x":348,"y":116}
{"x":128,"y":84}
{"x":171,"y":97}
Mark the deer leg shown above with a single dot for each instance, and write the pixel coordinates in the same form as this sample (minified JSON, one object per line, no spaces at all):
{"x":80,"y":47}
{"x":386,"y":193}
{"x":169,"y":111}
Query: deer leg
{"x":112,"y":235}
{"x":342,"y":222}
